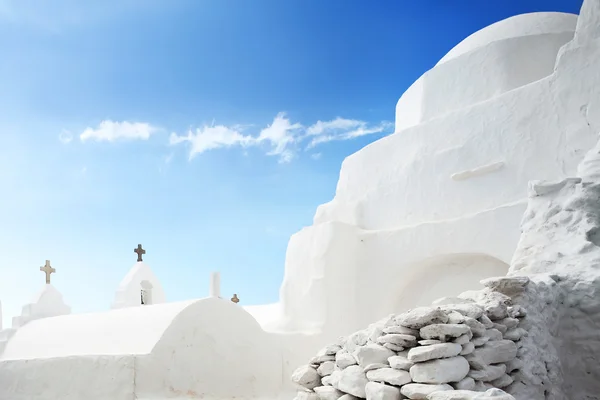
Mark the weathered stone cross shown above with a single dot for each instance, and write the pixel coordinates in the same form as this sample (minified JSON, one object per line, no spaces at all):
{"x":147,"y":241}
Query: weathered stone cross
{"x":47,"y":269}
{"x":139,"y":252}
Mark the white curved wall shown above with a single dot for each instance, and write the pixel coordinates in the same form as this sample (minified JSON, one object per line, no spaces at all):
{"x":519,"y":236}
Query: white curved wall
{"x":455,"y":184}
{"x":517,"y":26}
{"x":128,"y":293}
{"x":207,"y":348}
{"x":214,"y":349}
{"x":492,"y":61}
{"x":409,"y":109}
{"x":117,"y":332}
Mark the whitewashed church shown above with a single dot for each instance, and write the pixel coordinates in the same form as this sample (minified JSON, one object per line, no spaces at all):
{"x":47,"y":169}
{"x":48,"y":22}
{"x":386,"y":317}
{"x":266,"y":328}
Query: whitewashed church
{"x":423,"y":213}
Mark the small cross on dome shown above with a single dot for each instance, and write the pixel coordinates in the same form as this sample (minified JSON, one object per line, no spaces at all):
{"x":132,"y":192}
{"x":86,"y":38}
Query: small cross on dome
{"x":235,"y":298}
{"x":139,"y":252}
{"x":47,"y":269}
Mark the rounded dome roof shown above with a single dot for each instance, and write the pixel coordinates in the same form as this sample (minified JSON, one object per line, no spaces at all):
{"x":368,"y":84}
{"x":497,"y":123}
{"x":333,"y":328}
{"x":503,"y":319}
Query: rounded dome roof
{"x":517,"y":26}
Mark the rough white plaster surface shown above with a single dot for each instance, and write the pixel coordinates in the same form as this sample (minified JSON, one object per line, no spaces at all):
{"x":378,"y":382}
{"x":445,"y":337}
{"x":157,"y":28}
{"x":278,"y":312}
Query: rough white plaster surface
{"x":208,"y":348}
{"x":47,"y":303}
{"x":444,"y":197}
{"x":140,"y":276}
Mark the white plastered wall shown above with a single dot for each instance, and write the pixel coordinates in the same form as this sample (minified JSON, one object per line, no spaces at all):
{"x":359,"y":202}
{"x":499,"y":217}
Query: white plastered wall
{"x":451,"y":187}
{"x":207,"y":348}
{"x":128,"y":293}
{"x":213,"y":349}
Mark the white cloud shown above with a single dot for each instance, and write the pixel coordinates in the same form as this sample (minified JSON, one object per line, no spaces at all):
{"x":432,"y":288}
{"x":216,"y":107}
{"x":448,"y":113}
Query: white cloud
{"x":281,"y":138}
{"x":316,"y":156}
{"x":281,"y":134}
{"x":342,"y":129}
{"x":65,"y":137}
{"x":210,"y":138}
{"x":336,"y":124}
{"x":111,"y":131}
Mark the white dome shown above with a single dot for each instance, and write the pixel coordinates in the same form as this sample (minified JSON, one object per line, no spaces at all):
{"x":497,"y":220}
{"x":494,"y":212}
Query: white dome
{"x":520,"y":25}
{"x":492,"y":61}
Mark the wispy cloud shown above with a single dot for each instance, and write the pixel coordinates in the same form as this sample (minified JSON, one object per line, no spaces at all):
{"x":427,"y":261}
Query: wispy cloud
{"x":283,"y":137}
{"x":65,"y":137}
{"x":279,"y":136}
{"x":111,"y":131}
{"x":342,"y":129}
{"x":210,"y":138}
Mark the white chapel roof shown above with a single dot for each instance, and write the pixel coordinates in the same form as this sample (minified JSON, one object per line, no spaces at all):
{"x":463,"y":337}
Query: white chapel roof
{"x":126,"y":331}
{"x":537,"y":23}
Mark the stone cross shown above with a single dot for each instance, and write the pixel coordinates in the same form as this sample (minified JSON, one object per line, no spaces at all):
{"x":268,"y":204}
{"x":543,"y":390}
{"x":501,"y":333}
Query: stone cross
{"x":139,"y":252}
{"x":235,"y":298}
{"x":47,"y":269}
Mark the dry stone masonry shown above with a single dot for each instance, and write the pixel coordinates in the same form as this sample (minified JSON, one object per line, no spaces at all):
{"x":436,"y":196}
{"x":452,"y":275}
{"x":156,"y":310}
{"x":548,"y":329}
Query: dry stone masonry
{"x":459,"y":348}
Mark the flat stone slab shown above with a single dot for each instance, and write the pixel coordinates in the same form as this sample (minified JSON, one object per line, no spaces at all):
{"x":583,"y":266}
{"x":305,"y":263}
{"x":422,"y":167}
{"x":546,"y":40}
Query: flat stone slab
{"x":440,"y":371}
{"x":508,"y":285}
{"x":420,"y":317}
{"x":434,"y":351}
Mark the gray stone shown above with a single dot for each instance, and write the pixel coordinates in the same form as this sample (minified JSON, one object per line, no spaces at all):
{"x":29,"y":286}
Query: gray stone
{"x":372,"y":354}
{"x":509,"y":323}
{"x":419,"y":391}
{"x":393,"y":347}
{"x":440,"y":371}
{"x":480,"y":341}
{"x":492,"y":353}
{"x":455,"y":317}
{"x":389,"y":375}
{"x":502,"y":382}
{"x":453,"y":395}
{"x":508,"y":285}
{"x":493,"y":334}
{"x":487,"y":323}
{"x":427,"y":342}
{"x":471,"y":310}
{"x":515,"y":334}
{"x":380,"y":391}
{"x":321,"y":359}
{"x":399,"y":362}
{"x":344,"y":359}
{"x":444,"y":332}
{"x":401,"y":330}
{"x":514,"y":365}
{"x":326,"y":368}
{"x":489,"y":373}
{"x":494,"y":394}
{"x":434,"y":351}
{"x":352,"y":381}
{"x":419,"y":317}
{"x":467,"y":348}
{"x":329,"y":350}
{"x":466,"y":384}
{"x":328,"y":393}
{"x":463,"y":339}
{"x":500,"y":327}
{"x":477,"y":328}
{"x":307,"y":377}
{"x":371,"y":367}
{"x":398,"y":339}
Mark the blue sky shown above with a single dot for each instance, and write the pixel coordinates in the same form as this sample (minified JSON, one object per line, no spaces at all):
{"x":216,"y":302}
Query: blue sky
{"x":192,"y":127}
